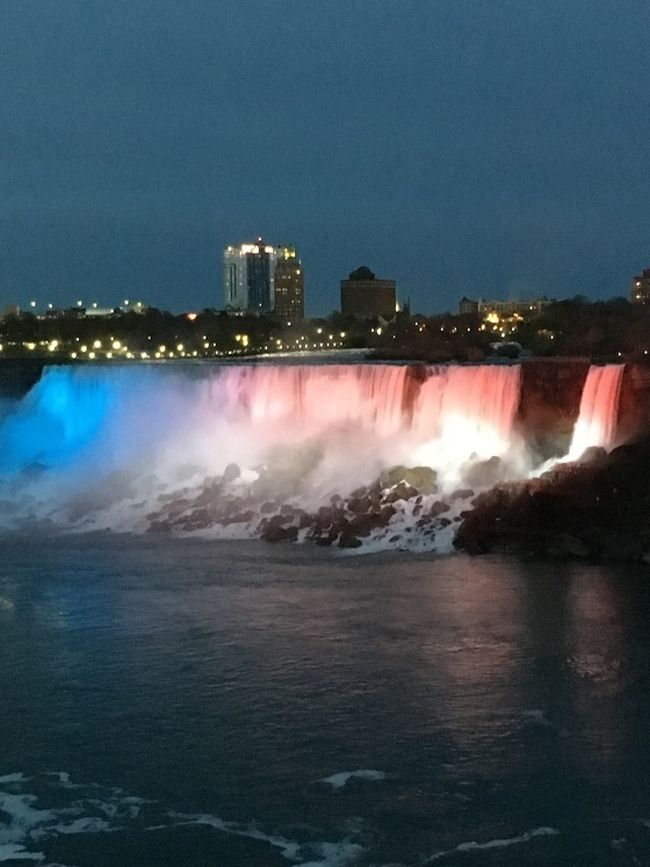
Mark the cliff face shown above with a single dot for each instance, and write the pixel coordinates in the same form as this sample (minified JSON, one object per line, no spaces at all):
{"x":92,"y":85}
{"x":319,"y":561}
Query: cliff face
{"x":634,"y":406}
{"x":17,"y":376}
{"x":550,"y":401}
{"x":597,"y":508}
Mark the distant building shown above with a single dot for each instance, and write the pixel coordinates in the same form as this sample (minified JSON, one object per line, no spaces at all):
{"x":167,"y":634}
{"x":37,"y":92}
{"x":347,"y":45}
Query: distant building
{"x":133,"y":306}
{"x":248,"y":278}
{"x":289,"y":289}
{"x":640,"y":293}
{"x":467,"y":307}
{"x":509,"y":309}
{"x":366,"y":297}
{"x":503,"y":317}
{"x":96,"y":310}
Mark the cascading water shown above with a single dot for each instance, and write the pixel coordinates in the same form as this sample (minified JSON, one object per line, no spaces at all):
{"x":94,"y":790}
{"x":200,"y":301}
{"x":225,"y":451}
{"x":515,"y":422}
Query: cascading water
{"x":598,"y":415}
{"x":467,"y":413}
{"x":105,"y":446}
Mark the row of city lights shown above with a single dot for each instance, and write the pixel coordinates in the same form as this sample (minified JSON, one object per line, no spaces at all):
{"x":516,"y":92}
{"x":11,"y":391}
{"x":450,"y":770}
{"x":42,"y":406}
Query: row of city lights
{"x":118,"y":349}
{"x":94,"y":305}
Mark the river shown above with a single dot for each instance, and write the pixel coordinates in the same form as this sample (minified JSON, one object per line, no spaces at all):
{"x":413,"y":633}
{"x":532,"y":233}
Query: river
{"x":203,"y":702}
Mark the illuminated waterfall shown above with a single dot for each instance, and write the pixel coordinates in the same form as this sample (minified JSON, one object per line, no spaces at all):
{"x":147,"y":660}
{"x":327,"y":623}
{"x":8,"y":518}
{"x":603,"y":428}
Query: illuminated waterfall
{"x":461,"y":410}
{"x":466,"y":412}
{"x":598,"y":415}
{"x":158,"y":429}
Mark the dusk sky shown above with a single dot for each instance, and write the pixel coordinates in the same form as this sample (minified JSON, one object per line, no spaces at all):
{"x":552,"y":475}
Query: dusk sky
{"x":495,"y":148}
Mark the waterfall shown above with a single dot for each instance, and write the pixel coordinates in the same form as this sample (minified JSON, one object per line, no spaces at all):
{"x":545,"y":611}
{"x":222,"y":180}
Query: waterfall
{"x":469,"y":409}
{"x":155,"y":429}
{"x":468,"y":413}
{"x":598,"y":415}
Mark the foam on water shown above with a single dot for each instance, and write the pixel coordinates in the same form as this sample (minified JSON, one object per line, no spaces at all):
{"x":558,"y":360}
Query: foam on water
{"x":338,"y":781}
{"x":26,"y":829}
{"x":16,"y":852}
{"x":473,"y":846}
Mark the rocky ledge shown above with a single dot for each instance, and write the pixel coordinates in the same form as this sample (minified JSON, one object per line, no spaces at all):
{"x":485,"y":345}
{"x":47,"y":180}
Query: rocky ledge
{"x":402,"y":503}
{"x":597,"y":507}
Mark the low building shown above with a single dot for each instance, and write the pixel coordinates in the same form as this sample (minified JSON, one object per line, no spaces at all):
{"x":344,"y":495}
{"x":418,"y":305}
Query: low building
{"x":366,"y":297}
{"x":510,"y":309}
{"x":503,"y":316}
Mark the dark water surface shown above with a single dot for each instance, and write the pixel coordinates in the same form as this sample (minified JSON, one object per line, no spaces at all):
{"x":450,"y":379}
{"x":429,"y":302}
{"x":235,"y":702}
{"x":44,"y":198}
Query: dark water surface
{"x":183,"y":702}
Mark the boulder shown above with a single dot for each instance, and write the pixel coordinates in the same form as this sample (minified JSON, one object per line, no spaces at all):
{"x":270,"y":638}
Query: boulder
{"x":208,"y":495}
{"x":483,"y":474}
{"x":231,"y":473}
{"x":363,"y":525}
{"x":597,"y":508}
{"x":462,"y":494}
{"x":590,"y":455}
{"x":240,"y":518}
{"x":281,"y":519}
{"x":359,"y":505}
{"x":385,"y":515}
{"x":401,"y":491}
{"x":277,"y":533}
{"x":347,"y":540}
{"x":423,"y":479}
{"x":304,"y":520}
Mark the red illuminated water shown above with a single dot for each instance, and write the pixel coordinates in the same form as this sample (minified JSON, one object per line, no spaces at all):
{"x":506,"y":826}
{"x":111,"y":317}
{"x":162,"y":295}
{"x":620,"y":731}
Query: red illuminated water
{"x":597,"y":420}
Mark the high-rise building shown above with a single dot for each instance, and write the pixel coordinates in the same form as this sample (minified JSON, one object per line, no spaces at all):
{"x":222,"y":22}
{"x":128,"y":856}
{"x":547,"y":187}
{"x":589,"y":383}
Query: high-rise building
{"x":640,"y":293}
{"x":289,"y":286}
{"x":249,"y":271}
{"x":366,"y":297}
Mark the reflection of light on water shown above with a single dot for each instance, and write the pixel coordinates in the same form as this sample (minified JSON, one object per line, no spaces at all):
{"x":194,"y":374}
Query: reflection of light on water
{"x":595,"y":657}
{"x":476,"y":673}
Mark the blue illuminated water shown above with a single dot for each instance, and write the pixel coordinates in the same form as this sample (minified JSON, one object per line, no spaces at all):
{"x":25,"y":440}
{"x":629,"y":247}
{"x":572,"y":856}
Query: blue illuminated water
{"x":203,"y":703}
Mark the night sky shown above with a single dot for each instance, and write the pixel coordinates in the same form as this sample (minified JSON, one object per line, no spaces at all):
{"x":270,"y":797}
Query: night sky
{"x":481,"y":147}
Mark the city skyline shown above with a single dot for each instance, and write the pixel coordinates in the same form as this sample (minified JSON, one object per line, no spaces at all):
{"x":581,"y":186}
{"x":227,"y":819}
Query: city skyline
{"x":495,"y":149}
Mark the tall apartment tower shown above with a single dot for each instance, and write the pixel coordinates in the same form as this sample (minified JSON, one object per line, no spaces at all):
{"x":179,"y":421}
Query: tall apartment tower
{"x":248,"y":277}
{"x":289,"y":287}
{"x":640,"y":293}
